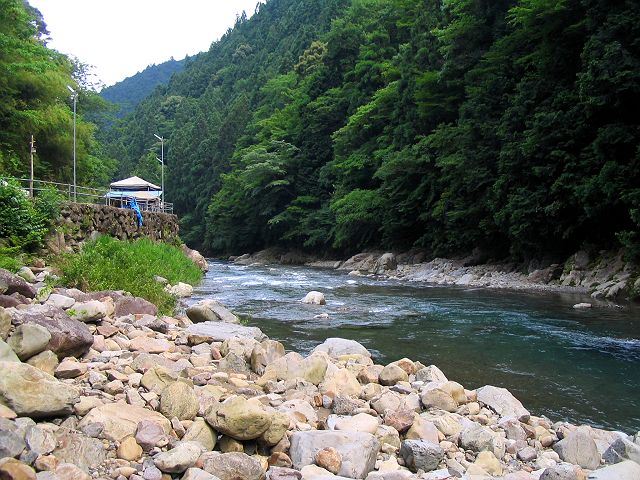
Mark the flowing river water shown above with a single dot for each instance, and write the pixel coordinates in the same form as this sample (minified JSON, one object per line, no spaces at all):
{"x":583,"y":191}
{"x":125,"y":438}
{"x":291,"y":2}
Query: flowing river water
{"x":582,"y":366}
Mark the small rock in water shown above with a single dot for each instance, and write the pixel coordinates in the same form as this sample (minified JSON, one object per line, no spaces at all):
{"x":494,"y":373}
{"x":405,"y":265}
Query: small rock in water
{"x":579,"y":306}
{"x":314,"y":298}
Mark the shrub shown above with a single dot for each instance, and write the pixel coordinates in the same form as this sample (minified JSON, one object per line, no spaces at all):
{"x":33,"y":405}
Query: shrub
{"x":110,"y":264}
{"x":25,"y":222}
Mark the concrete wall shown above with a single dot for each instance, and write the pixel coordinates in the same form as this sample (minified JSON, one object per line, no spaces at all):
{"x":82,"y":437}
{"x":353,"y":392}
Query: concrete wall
{"x":80,"y":222}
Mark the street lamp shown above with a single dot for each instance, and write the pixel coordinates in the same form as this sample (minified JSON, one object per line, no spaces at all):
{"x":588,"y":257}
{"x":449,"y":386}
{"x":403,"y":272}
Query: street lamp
{"x":161,"y":160}
{"x":74,"y":96}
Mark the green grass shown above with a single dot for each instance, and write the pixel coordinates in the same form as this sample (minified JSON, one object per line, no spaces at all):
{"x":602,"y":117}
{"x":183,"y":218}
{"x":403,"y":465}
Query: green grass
{"x":110,"y":264}
{"x":11,"y":258}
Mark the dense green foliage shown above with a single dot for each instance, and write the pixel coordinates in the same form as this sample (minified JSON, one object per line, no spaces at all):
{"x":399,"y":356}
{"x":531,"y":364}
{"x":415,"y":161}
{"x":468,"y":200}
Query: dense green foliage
{"x":128,"y":93}
{"x":447,"y":125}
{"x":34,"y":100}
{"x":25,"y":222}
{"x":110,"y":264}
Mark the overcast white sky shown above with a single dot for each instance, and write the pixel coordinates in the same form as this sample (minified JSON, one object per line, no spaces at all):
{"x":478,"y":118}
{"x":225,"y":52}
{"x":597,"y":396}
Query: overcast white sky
{"x":122,"y":37}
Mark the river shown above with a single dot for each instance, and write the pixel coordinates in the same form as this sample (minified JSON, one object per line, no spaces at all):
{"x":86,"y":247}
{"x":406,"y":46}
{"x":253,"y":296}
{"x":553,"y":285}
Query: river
{"x":582,"y":366}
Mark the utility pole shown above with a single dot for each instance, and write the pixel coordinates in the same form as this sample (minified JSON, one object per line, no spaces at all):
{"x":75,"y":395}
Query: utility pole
{"x":32,"y":151}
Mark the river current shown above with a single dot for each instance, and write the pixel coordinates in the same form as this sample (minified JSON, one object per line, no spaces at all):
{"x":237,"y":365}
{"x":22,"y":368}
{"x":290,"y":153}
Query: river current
{"x":582,"y":366}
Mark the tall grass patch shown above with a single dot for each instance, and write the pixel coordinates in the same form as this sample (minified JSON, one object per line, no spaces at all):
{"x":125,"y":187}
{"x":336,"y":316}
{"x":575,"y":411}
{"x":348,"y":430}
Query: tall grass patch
{"x":110,"y":264}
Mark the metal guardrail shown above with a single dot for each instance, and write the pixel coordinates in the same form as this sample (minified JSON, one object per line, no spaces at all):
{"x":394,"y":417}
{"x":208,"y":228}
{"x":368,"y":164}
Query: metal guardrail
{"x":84,"y":194}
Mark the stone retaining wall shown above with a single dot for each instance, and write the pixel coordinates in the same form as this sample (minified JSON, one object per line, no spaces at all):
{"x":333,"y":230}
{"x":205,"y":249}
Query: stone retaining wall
{"x":80,"y":222}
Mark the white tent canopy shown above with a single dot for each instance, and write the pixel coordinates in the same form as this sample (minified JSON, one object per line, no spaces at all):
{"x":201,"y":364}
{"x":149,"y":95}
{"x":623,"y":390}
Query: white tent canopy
{"x":134,"y":183}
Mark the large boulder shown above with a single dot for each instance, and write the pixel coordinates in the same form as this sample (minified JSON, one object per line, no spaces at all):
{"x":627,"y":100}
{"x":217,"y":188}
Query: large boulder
{"x":126,"y":305}
{"x":210,"y":311}
{"x":5,"y":324}
{"x":336,"y":347}
{"x":77,"y":448}
{"x":579,"y":448}
{"x":357,"y":449}
{"x":32,"y":393}
{"x":239,"y":418}
{"x":232,"y":466}
{"x":314,"y":298}
{"x":69,"y":338}
{"x":502,"y":402}
{"x":10,"y":283}
{"x":622,"y":449}
{"x":220,"y":331}
{"x":121,"y":420}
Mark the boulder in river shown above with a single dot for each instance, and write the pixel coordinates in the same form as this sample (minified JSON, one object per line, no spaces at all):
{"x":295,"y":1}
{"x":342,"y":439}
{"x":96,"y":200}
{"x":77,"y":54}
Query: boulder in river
{"x":314,"y":298}
{"x":210,"y":311}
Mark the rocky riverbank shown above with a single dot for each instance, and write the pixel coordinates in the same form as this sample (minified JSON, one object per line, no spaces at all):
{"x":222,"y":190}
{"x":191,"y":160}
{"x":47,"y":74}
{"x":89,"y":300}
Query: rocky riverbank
{"x":606,"y":277}
{"x":97,"y":385}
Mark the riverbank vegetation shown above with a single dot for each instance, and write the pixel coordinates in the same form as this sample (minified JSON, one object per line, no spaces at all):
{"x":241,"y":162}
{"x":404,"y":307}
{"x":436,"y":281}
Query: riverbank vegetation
{"x":35,"y":100}
{"x":441,"y":125}
{"x":110,"y":264}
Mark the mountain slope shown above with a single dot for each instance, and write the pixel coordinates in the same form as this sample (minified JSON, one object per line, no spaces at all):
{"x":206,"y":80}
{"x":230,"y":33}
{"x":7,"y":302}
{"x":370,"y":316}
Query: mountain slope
{"x":128,"y":93}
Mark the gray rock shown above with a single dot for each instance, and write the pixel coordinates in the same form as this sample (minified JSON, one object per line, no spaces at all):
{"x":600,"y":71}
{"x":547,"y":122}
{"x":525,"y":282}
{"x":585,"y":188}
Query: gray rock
{"x":33,"y":393}
{"x":503,"y":402}
{"x":210,"y":311}
{"x":178,"y":459}
{"x":626,"y":470}
{"x":81,"y":450}
{"x":26,"y":274}
{"x":11,"y":443}
{"x":28,"y":340}
{"x":563,"y":471}
{"x":336,"y":347}
{"x":198,"y":474}
{"x":5,"y":324}
{"x":579,"y":448}
{"x":622,"y":449}
{"x":233,"y":363}
{"x":11,"y":283}
{"x":7,"y":354}
{"x":431,"y":374}
{"x":282,"y":473}
{"x":90,"y":311}
{"x":477,"y":438}
{"x":358,"y":450}
{"x":60,"y":301}
{"x":220,"y":331}
{"x":40,"y":440}
{"x":421,"y":455}
{"x":232,"y":466}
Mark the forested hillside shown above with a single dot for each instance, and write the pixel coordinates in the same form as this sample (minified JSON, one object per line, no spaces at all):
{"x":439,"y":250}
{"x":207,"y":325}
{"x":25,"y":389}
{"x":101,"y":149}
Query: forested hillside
{"x":448,"y":125}
{"x":35,"y":100}
{"x":128,"y":93}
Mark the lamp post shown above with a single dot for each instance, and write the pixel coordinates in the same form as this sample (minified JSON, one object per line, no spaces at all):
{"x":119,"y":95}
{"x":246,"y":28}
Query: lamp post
{"x":161,"y":160}
{"x":74,"y":96}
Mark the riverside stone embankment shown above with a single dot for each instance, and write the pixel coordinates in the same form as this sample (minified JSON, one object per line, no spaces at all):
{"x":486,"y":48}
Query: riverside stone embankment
{"x":606,"y":276}
{"x":97,"y":385}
